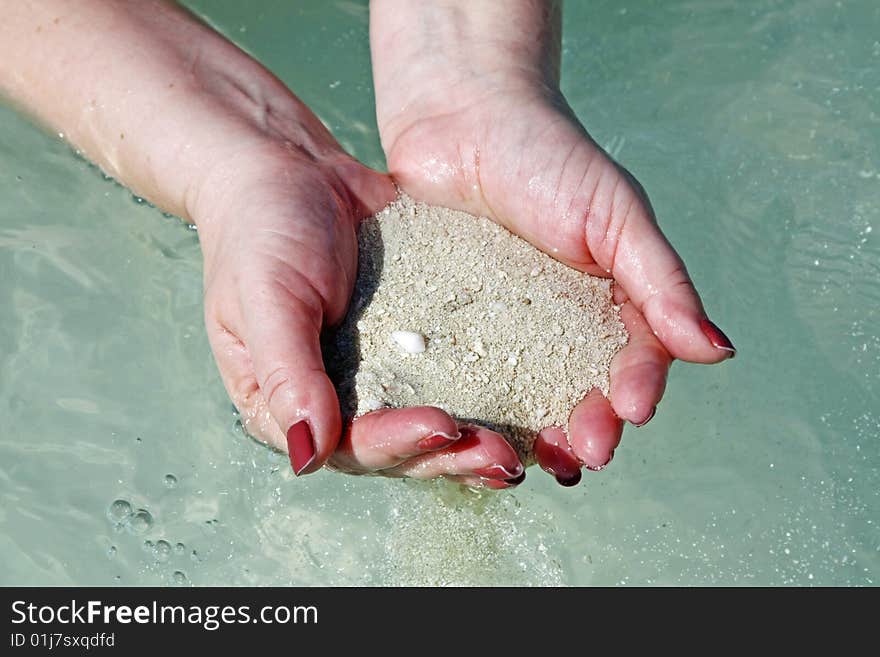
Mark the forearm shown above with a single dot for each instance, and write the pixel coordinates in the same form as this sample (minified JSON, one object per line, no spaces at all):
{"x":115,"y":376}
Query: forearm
{"x":152,"y":95}
{"x":425,"y":51}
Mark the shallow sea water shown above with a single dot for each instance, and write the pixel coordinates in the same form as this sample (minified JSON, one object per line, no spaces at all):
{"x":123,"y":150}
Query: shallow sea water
{"x":755,"y":128}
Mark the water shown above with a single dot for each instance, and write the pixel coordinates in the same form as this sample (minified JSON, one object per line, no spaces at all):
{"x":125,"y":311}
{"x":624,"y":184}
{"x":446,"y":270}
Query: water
{"x":755,"y":127}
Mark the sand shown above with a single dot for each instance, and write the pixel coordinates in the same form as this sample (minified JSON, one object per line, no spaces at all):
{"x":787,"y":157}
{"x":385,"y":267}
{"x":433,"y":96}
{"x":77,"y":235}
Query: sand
{"x":454,"y":311}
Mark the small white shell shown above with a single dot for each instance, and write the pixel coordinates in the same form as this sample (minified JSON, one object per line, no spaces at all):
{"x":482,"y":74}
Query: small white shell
{"x":409,"y":341}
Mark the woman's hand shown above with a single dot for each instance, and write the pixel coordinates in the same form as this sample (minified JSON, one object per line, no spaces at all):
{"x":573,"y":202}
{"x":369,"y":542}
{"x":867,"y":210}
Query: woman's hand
{"x":278,"y":229}
{"x":187,"y":120}
{"x":471,"y":117}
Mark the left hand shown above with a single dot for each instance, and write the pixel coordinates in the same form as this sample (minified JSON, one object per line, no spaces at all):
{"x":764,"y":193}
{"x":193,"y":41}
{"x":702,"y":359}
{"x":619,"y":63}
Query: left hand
{"x":515,"y":152}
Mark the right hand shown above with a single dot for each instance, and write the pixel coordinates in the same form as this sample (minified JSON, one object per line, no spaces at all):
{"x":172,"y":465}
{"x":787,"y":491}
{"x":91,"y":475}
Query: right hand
{"x":277,"y":225}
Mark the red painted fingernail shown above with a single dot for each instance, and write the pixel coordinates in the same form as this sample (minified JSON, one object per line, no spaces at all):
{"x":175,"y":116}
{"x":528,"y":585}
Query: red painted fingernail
{"x":300,"y":446}
{"x":496,"y":484}
{"x":501,"y":484}
{"x":499,"y":472}
{"x":558,"y":462}
{"x":437,"y":441}
{"x":599,"y":468}
{"x":717,"y":338}
{"x":572,"y":480}
{"x":647,"y":419}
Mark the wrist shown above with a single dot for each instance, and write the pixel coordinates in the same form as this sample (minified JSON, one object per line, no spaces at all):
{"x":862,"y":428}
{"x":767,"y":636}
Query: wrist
{"x":436,"y":57}
{"x":152,"y":95}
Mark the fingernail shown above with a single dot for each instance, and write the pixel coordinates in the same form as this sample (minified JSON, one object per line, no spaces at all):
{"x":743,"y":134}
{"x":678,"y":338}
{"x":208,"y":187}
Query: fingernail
{"x":496,"y":484}
{"x":300,"y":446}
{"x":437,"y":441}
{"x":570,"y":480}
{"x":717,"y":338}
{"x":499,"y":472}
{"x":647,"y":419}
{"x":559,"y":463}
{"x":501,"y":484}
{"x":599,"y":468}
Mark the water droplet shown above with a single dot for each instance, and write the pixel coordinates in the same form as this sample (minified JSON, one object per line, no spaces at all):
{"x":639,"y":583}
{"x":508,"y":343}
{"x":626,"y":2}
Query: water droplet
{"x":179,"y":578}
{"x":179,"y":548}
{"x":195,"y":556}
{"x":141,"y":522}
{"x":148,"y":546}
{"x":170,"y":481}
{"x":162,"y":551}
{"x":119,"y":511}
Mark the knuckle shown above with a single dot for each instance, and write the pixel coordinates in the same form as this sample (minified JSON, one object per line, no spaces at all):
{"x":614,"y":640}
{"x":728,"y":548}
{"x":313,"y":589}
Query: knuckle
{"x":607,"y":219}
{"x":276,"y":383}
{"x":255,"y":418}
{"x":245,"y":394}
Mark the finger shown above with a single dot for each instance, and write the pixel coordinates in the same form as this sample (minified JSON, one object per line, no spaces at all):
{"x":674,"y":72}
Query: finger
{"x":237,"y":374}
{"x":282,"y":334}
{"x":556,"y":457}
{"x":594,"y":430}
{"x":388,"y":437}
{"x":479,"y":451}
{"x":639,"y":370}
{"x":624,"y":238}
{"x":482,"y":482}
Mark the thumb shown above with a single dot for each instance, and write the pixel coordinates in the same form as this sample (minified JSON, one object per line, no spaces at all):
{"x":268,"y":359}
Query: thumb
{"x":283,"y":337}
{"x":623,"y":237}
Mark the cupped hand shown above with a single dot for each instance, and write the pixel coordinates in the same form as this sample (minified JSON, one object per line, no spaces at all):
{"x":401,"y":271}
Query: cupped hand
{"x":519,"y":156}
{"x":277,"y":223}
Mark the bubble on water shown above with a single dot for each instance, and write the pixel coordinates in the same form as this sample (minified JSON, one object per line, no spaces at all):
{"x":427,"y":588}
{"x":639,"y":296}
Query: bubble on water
{"x":179,"y":578}
{"x":140,"y":522}
{"x":170,"y":481}
{"x":162,"y":552}
{"x":119,"y":511}
{"x":111,"y":551}
{"x":148,"y":546}
{"x":179,"y":548}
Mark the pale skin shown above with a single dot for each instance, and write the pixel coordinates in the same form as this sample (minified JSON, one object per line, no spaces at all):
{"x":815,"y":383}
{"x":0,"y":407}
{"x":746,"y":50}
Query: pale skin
{"x":470,"y":116}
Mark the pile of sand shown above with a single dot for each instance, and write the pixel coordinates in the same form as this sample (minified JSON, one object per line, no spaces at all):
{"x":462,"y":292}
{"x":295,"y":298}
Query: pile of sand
{"x":454,"y":311}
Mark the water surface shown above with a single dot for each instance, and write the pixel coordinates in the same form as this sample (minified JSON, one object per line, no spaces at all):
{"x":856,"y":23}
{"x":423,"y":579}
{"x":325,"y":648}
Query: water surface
{"x":754,"y":126}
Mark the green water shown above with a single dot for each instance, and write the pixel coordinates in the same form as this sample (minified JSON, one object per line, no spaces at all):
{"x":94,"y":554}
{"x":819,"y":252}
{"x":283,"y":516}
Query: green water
{"x":755,"y":127}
